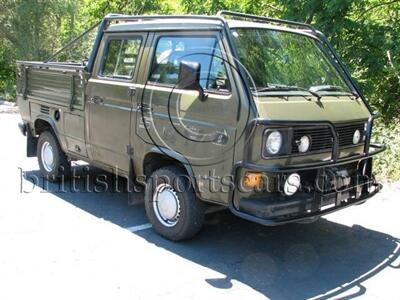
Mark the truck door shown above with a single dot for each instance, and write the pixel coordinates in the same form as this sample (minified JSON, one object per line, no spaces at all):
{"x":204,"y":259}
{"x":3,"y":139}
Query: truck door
{"x":110,"y":97}
{"x":202,"y":130}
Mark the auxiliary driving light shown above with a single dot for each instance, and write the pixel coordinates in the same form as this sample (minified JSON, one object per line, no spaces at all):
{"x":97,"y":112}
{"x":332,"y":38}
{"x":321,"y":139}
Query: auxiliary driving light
{"x":356,"y":137}
{"x":304,"y":144}
{"x":292,"y":184}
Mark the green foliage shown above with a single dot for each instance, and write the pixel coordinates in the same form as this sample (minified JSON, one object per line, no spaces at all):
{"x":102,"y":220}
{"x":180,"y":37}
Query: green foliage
{"x":387,"y":165}
{"x":92,"y":11}
{"x":29,"y":30}
{"x":365,"y":33}
{"x":32,"y":27}
{"x":35,"y":29}
{"x":7,"y":72}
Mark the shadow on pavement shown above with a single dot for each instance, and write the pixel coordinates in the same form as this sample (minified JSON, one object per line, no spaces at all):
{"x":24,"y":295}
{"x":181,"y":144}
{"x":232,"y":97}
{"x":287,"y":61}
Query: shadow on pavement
{"x":109,"y":202}
{"x":298,"y":261}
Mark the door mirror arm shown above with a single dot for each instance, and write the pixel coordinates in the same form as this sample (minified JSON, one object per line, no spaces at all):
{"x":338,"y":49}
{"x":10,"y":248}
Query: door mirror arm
{"x":189,"y":78}
{"x":203,"y":96}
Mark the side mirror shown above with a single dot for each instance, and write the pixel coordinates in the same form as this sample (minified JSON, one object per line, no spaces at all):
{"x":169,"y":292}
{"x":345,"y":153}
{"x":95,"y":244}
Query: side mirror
{"x":189,"y":78}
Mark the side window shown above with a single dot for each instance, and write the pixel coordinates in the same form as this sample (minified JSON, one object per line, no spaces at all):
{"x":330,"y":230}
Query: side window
{"x":121,"y":58}
{"x":170,"y":51}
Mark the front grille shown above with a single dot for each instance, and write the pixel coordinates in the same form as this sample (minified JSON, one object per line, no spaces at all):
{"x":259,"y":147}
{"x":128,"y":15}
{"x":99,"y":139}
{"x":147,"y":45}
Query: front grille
{"x":346,"y":133}
{"x":321,"y":137}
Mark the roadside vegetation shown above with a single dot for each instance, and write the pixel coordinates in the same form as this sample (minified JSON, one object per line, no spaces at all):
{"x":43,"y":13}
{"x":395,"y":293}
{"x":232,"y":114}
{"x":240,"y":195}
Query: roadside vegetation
{"x":365,"y":33}
{"x":387,"y":165}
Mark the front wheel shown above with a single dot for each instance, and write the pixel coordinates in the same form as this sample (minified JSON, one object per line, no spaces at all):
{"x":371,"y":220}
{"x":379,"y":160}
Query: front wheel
{"x":171,"y":204}
{"x":53,"y":162}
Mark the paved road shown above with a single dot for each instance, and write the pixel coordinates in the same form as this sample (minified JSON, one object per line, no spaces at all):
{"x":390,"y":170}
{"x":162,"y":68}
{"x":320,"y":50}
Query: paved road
{"x":57,"y":244}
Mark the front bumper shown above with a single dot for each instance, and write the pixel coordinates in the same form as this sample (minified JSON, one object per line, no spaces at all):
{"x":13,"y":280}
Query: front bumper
{"x":303,"y":206}
{"x":275,"y":209}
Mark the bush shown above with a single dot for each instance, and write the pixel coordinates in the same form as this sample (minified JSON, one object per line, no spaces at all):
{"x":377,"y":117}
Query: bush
{"x":7,"y":90}
{"x":7,"y":71}
{"x":387,"y":164}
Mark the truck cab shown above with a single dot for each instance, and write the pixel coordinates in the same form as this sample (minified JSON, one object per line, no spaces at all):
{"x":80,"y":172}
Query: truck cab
{"x":255,"y":114}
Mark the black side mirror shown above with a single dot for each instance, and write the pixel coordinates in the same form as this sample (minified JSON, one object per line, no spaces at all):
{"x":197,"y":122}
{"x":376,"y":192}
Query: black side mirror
{"x":189,"y":78}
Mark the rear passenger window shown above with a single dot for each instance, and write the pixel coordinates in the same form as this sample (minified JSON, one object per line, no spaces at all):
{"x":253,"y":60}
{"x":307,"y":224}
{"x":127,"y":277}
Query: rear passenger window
{"x":121,"y":58}
{"x":170,"y":51}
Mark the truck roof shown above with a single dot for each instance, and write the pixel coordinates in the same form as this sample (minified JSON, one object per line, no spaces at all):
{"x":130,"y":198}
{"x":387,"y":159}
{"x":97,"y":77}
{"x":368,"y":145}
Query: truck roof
{"x":185,"y":23}
{"x":166,"y":24}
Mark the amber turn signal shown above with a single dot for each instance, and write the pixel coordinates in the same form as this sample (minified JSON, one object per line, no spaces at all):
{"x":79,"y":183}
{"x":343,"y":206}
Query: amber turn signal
{"x":252,"y":180}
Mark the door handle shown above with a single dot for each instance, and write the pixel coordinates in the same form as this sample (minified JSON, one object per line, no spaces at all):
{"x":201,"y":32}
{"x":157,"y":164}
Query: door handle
{"x":97,"y":100}
{"x":144,"y":108}
{"x":131,"y":91}
{"x":221,"y":138}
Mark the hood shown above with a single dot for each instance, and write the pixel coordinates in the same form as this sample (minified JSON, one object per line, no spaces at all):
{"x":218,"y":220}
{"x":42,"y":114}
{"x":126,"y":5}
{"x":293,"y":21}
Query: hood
{"x":298,"y":108}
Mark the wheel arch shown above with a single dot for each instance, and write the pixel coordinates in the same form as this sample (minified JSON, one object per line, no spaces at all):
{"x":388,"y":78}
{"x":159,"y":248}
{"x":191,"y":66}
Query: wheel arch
{"x":34,"y":129}
{"x":43,"y":123}
{"x":159,"y":157}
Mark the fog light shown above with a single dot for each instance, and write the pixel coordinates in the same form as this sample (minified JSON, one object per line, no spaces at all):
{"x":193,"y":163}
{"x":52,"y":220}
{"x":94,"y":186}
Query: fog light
{"x":292,"y":184}
{"x":252,"y":180}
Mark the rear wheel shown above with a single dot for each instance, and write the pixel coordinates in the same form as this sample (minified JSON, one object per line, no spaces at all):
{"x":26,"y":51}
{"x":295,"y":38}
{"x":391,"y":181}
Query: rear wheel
{"x":171,"y":204}
{"x":53,"y":162}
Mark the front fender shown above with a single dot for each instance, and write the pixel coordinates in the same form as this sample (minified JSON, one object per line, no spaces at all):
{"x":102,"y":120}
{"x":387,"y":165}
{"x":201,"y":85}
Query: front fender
{"x":174,"y":156}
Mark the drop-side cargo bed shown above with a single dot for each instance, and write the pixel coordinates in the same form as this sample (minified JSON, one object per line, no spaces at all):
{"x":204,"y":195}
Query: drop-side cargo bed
{"x":56,"y":83}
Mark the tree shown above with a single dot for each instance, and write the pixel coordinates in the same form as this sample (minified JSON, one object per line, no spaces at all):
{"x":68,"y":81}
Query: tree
{"x":365,"y":33}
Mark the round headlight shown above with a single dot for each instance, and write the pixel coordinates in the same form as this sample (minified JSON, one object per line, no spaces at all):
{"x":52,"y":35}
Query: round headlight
{"x":274,"y":142}
{"x":304,"y":144}
{"x":356,"y":137}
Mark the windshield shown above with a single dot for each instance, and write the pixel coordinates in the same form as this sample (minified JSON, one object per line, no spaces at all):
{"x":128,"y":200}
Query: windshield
{"x":278,"y":58}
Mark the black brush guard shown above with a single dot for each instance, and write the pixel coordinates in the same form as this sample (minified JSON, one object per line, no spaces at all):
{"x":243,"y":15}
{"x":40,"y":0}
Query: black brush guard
{"x":279,"y":209}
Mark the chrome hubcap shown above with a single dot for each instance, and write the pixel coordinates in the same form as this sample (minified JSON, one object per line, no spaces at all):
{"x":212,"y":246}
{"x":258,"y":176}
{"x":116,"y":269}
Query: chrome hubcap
{"x":166,"y":205}
{"x":47,"y":157}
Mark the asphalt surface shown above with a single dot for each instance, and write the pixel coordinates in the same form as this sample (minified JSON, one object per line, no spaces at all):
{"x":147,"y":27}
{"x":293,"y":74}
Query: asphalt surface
{"x":78,"y":243}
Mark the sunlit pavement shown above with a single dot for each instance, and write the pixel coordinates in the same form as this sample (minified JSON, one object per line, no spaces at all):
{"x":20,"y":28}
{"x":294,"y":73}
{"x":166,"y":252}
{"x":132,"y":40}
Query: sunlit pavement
{"x":86,"y":245}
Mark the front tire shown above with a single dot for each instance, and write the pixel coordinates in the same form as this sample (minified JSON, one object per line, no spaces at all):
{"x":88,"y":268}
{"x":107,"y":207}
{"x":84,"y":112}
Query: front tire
{"x":171,"y":204}
{"x":53,"y":162}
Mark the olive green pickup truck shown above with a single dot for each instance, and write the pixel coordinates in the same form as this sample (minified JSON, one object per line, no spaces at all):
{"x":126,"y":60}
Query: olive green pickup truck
{"x":252,"y":113}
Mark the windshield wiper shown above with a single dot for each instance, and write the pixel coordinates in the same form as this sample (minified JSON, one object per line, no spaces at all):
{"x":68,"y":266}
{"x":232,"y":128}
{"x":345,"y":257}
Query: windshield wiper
{"x":282,"y":87}
{"x":332,"y":88}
